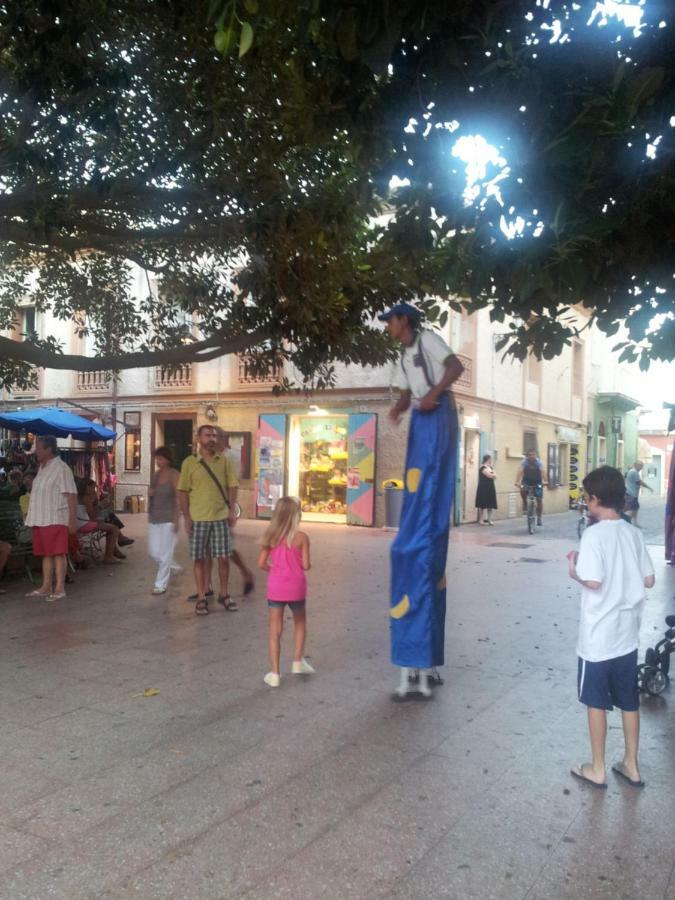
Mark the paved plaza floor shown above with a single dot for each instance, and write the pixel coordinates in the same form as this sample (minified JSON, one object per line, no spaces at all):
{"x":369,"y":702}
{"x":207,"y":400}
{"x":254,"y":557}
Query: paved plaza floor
{"x":219,"y":787}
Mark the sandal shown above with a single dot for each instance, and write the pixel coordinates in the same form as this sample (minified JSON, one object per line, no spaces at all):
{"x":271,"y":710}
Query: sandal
{"x":248,"y":587}
{"x":51,"y":597}
{"x":202,"y":607}
{"x":37,"y":594}
{"x":228,"y":603}
{"x":193,"y":597}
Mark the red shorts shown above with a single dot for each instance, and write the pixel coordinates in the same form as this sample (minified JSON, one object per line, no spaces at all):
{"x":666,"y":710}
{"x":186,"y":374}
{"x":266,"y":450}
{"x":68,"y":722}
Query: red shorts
{"x":50,"y":540}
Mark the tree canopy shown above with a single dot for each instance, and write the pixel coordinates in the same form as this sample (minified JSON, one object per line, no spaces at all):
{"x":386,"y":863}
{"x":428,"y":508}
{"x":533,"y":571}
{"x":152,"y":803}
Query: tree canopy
{"x":282,"y":170}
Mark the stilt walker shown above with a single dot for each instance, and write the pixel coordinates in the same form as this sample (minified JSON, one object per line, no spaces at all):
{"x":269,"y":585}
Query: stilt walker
{"x":424,"y":374}
{"x":670,"y":497}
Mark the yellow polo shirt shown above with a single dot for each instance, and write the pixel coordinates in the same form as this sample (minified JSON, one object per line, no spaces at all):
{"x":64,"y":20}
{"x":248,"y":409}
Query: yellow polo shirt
{"x":206,"y":501}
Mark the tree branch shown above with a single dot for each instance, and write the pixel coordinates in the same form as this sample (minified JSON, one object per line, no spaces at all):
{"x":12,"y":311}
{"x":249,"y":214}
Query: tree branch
{"x":106,"y":195}
{"x":201,"y":351}
{"x":109,"y":240}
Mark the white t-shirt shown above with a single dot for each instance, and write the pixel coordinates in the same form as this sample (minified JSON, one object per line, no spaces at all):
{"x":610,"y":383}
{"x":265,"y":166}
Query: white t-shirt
{"x":633,"y":483}
{"x":613,"y":553}
{"x":409,"y":374}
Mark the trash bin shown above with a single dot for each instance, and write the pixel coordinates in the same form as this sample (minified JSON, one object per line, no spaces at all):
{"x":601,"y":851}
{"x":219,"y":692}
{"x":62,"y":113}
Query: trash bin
{"x":141,"y":503}
{"x":393,"y":503}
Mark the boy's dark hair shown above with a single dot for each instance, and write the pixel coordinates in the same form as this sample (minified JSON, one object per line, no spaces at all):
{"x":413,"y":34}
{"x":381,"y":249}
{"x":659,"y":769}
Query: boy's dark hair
{"x":486,"y":457}
{"x":166,"y":453}
{"x":607,"y":484}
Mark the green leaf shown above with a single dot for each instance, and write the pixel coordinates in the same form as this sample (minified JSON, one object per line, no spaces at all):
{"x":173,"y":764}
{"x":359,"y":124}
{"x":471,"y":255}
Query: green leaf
{"x":224,"y":40}
{"x":642,"y":87}
{"x":245,"y":39}
{"x":251,"y":7}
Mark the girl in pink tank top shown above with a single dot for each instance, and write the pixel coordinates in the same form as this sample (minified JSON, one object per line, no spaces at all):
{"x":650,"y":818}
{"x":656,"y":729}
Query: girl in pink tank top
{"x":285,"y":557}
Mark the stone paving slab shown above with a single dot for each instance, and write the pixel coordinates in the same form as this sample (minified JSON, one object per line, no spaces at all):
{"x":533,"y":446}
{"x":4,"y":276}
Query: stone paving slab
{"x":218,"y":787}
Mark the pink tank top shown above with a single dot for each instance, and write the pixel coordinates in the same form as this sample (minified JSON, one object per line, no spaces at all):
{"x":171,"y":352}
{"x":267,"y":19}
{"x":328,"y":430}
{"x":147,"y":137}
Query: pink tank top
{"x":286,"y":581}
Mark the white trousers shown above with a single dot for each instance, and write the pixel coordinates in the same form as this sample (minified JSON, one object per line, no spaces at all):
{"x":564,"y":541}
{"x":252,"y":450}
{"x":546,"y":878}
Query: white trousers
{"x":161,"y":544}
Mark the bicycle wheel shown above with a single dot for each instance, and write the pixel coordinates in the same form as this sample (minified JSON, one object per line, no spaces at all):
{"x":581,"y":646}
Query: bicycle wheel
{"x":530,"y":520}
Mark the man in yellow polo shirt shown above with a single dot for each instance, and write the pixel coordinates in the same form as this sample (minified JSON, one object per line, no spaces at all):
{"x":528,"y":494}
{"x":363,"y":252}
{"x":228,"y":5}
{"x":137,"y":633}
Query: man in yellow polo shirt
{"x":207,"y":490}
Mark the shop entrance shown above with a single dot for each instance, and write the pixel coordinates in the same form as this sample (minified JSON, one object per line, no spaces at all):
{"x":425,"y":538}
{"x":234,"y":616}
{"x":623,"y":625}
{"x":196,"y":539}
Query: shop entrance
{"x":177,"y":435}
{"x":317,"y":466}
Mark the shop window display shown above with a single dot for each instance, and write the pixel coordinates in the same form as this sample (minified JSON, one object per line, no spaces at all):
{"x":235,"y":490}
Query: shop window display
{"x":323,"y":465}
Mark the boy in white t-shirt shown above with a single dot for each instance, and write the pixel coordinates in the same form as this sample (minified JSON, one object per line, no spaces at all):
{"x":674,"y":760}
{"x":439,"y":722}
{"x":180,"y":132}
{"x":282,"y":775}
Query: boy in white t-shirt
{"x":613,"y":568}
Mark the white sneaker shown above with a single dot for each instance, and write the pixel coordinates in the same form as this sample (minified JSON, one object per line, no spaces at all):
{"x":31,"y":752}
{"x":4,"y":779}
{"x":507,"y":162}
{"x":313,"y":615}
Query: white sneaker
{"x":302,"y":668}
{"x":272,"y":679}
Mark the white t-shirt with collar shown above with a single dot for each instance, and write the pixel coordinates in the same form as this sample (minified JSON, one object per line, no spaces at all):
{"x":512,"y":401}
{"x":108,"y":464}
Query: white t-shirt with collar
{"x":409,"y":374}
{"x":48,"y":503}
{"x":613,"y":553}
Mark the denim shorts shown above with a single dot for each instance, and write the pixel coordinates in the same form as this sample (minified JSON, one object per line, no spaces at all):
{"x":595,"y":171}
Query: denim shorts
{"x":610,"y":683}
{"x":279,"y":604}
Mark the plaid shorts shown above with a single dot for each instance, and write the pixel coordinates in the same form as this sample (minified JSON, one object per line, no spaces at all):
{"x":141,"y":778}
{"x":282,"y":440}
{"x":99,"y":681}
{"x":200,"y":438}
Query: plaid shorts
{"x":210,"y":539}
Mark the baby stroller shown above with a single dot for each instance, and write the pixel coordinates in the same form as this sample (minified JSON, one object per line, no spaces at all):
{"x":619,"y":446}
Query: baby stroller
{"x":653,"y":673}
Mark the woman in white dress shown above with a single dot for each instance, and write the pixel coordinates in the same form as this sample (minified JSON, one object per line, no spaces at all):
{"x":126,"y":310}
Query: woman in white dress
{"x":163,"y":518}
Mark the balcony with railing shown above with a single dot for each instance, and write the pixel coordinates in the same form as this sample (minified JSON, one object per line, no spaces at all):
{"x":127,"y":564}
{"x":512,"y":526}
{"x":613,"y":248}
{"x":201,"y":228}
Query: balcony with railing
{"x":173,"y":378}
{"x":251,"y":377}
{"x":28,"y":393}
{"x":93,"y":382}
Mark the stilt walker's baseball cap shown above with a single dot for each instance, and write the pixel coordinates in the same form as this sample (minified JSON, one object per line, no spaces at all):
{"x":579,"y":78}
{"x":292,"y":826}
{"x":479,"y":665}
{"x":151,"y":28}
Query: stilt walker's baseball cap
{"x":402,"y":309}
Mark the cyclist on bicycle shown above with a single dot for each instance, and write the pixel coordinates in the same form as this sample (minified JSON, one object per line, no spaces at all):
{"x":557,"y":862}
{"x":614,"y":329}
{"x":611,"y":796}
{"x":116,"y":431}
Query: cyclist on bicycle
{"x":531,"y":475}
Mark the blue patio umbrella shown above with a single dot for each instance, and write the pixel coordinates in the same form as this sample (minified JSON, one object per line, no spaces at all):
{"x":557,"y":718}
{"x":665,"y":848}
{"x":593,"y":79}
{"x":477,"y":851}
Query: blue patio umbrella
{"x":56,"y":421}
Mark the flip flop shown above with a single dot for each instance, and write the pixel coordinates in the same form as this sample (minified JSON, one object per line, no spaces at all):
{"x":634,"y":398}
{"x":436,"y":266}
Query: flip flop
{"x":202,"y":607}
{"x":37,"y":594}
{"x":51,"y":597}
{"x":631,"y":781}
{"x":578,"y":773}
{"x":248,"y":587}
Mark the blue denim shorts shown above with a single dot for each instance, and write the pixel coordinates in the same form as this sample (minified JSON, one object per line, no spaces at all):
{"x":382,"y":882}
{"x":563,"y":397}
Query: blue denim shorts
{"x":293,"y":604}
{"x":610,"y":683}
